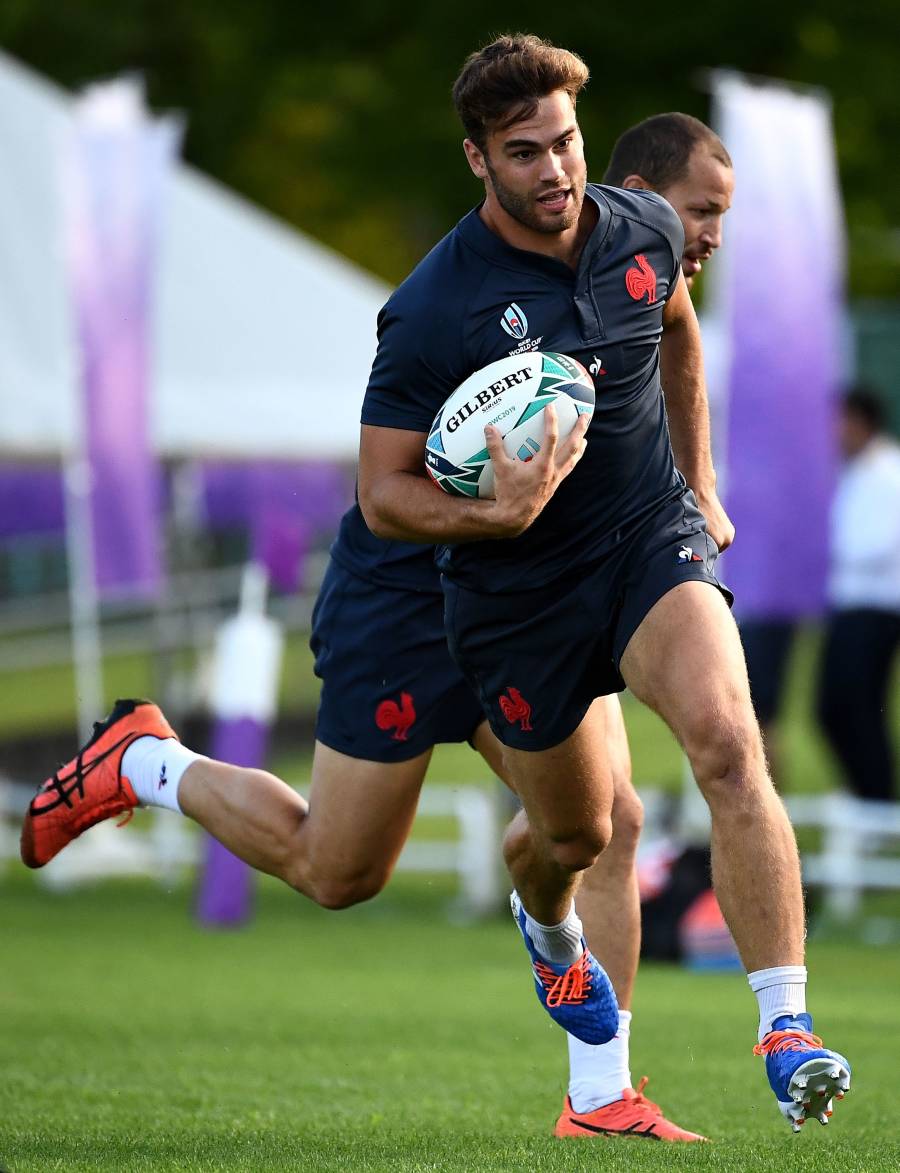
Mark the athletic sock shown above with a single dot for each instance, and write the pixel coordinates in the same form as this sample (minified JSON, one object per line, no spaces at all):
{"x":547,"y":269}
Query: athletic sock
{"x":599,"y":1075}
{"x":559,"y":944}
{"x":154,"y":767}
{"x":780,"y":990}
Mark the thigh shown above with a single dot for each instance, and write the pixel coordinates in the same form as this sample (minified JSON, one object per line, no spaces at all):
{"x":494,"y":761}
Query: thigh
{"x":360,"y":812}
{"x":685,"y":661}
{"x":611,"y":740}
{"x":568,"y":788}
{"x":671,"y":548}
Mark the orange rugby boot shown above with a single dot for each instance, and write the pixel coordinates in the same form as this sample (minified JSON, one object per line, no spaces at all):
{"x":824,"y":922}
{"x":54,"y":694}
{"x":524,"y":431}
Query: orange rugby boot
{"x":633,"y":1115}
{"x":91,"y":787}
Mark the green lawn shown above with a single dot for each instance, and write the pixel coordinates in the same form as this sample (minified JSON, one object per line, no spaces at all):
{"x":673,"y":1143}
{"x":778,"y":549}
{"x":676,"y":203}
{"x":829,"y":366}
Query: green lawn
{"x":378,"y":1039}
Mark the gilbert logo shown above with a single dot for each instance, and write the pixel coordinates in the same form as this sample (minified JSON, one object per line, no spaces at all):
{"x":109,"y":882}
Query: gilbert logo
{"x":482,"y":398}
{"x":514,"y":322}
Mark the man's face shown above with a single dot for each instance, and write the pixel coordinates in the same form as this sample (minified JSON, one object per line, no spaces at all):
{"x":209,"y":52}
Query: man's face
{"x":535,"y":168}
{"x":701,"y":198}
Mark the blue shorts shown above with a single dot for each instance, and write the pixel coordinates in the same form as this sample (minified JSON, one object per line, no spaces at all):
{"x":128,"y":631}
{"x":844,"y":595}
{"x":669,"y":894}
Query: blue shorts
{"x":390,"y":690}
{"x":537,"y":659}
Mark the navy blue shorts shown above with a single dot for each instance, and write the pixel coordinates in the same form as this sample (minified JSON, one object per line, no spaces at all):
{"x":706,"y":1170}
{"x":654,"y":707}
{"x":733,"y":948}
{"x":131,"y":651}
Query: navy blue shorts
{"x":390,"y":690}
{"x":538,"y":658}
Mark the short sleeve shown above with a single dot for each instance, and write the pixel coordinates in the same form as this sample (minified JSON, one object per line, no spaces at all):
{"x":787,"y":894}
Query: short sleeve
{"x":413,"y":372}
{"x":666,"y":219}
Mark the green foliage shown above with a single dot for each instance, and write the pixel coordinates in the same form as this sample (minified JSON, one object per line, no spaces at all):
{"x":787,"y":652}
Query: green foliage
{"x":378,"y":1039}
{"x":338,"y":118}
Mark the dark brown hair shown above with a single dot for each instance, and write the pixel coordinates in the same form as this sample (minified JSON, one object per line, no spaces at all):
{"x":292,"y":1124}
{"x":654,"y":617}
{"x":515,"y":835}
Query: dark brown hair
{"x":503,"y":82}
{"x":659,"y":149}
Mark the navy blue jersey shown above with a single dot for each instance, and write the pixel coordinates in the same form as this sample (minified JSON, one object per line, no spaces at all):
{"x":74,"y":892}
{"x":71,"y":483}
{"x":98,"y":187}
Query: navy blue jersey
{"x":474,"y":295}
{"x":398,"y":565}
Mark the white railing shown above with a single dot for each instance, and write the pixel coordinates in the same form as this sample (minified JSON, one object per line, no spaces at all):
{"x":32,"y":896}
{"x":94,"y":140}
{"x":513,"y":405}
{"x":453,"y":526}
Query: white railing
{"x":854,"y":833}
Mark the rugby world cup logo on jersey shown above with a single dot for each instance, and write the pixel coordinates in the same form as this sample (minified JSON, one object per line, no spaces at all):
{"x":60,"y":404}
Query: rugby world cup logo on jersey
{"x":514,"y":322}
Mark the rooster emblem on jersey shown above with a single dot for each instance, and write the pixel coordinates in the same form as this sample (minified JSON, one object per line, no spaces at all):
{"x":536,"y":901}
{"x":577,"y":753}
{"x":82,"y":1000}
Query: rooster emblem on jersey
{"x":515,"y":708}
{"x":390,"y":715}
{"x":641,"y":280}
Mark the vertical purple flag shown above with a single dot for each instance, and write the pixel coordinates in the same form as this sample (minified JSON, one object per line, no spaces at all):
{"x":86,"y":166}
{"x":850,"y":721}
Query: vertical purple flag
{"x":116,"y":163}
{"x":244,"y":699}
{"x":779,"y":299}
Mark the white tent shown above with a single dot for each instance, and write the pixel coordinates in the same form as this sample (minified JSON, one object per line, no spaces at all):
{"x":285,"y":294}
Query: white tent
{"x":264,"y":339}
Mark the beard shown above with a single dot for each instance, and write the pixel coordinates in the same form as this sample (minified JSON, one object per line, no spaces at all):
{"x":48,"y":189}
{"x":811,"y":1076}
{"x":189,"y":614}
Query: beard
{"x":522,"y":207}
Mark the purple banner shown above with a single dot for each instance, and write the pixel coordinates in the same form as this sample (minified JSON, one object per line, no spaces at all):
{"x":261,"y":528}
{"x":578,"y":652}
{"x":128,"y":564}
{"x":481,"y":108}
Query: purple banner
{"x":226,"y":886}
{"x":286,"y":507}
{"x":117,"y":164}
{"x":31,"y":500}
{"x":781,"y":302}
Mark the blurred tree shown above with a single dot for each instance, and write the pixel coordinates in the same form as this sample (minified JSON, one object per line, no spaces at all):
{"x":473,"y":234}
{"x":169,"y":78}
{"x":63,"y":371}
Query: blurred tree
{"x":338,"y":117}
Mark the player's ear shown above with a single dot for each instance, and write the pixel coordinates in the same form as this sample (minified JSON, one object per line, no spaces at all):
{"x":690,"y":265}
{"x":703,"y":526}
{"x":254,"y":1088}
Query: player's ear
{"x":475,"y":159}
{"x":635,"y":183}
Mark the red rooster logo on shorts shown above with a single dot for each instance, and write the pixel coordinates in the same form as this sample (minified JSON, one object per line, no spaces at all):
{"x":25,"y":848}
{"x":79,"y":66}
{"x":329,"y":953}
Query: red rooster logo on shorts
{"x":390,"y":715}
{"x":641,"y":280}
{"x":516,"y":708}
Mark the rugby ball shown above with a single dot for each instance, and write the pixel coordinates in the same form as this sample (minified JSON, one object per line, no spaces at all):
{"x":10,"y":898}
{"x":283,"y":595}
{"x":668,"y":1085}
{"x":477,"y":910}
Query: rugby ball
{"x":511,"y":394}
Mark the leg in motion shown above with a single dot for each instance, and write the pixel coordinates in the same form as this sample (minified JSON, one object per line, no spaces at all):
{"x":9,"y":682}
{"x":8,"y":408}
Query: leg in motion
{"x":685,"y":662}
{"x":338,"y":849}
{"x":561,"y":830}
{"x":601,"y":1100}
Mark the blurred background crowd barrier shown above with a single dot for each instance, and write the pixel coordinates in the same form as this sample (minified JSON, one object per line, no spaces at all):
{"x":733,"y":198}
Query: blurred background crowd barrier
{"x":181,"y":374}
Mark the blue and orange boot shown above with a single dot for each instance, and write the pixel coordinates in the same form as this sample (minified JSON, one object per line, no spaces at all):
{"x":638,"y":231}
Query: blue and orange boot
{"x":805,"y":1076}
{"x":91,"y":787}
{"x":579,"y":997}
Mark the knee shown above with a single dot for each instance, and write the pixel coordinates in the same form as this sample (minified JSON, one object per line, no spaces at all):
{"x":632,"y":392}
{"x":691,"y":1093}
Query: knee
{"x":344,"y":890}
{"x":579,"y":850}
{"x":727,"y":757}
{"x":627,"y":818}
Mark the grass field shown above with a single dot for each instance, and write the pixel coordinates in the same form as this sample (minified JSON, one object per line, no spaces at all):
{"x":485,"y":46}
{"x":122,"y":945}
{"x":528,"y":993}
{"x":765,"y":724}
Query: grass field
{"x":378,"y":1039}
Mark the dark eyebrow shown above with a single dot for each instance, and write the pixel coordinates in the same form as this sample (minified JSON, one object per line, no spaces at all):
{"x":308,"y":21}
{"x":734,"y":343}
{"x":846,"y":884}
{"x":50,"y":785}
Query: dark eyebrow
{"x":518,"y":143}
{"x":712,"y":206}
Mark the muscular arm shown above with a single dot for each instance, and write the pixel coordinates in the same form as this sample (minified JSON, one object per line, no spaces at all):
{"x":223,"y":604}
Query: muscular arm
{"x":400,"y":503}
{"x":684,"y":387}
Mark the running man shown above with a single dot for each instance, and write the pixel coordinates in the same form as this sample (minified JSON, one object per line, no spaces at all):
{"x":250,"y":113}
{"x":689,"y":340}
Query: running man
{"x":616,"y":541}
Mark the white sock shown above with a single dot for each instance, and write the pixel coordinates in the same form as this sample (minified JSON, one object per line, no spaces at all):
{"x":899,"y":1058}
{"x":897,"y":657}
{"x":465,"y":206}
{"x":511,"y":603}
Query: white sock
{"x":599,"y":1075}
{"x":780,"y":990}
{"x":154,"y":767}
{"x":560,"y":944}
